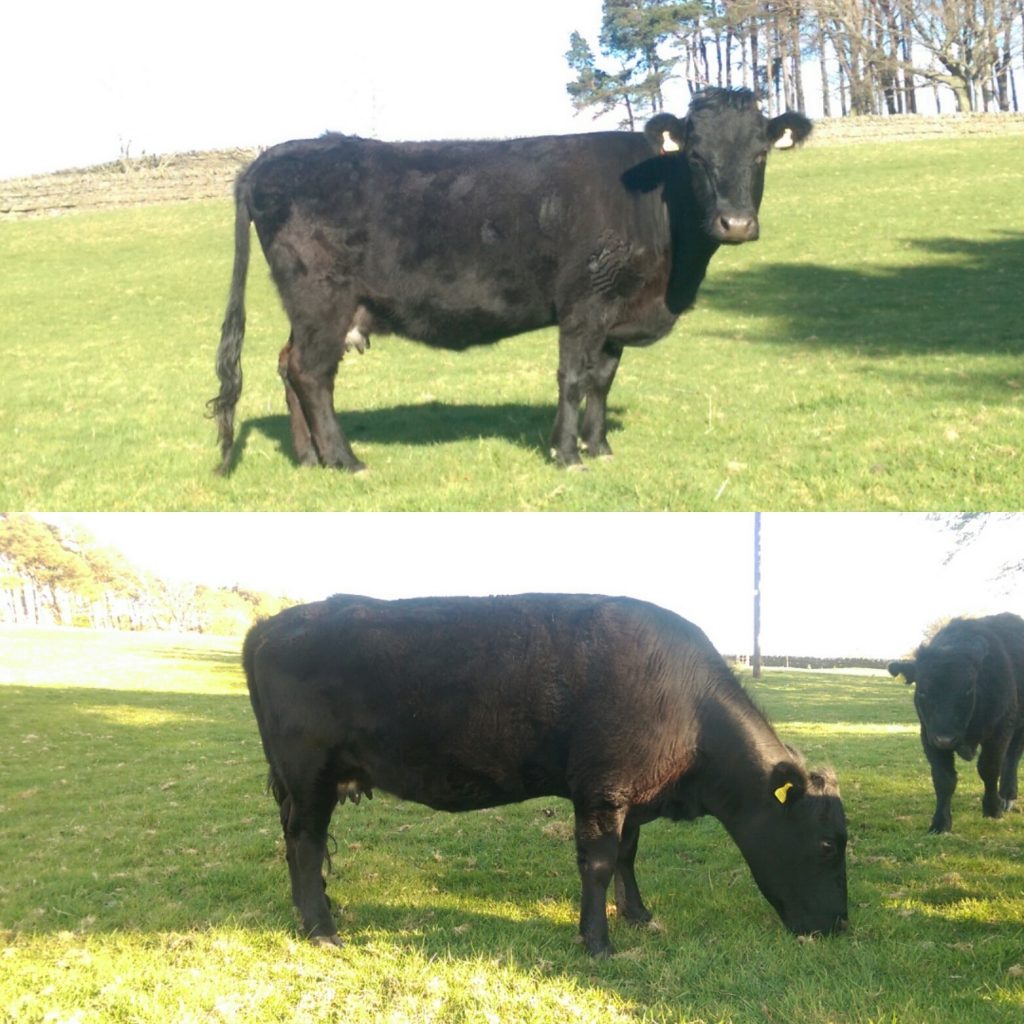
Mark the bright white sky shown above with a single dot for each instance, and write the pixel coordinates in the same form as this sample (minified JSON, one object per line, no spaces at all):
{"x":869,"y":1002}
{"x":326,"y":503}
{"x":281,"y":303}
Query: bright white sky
{"x":81,"y":81}
{"x":832,"y":583}
{"x":86,"y":81}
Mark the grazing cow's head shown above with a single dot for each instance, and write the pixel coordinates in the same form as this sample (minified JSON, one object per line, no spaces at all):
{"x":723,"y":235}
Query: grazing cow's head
{"x":719,"y":150}
{"x":946,"y":678}
{"x":794,"y":840}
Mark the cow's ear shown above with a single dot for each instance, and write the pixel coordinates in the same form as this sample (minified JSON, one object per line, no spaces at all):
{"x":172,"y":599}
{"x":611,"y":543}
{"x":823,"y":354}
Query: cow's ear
{"x":790,"y":125}
{"x":788,"y":783}
{"x":646,"y":177}
{"x":907,"y":669}
{"x":666,"y":133}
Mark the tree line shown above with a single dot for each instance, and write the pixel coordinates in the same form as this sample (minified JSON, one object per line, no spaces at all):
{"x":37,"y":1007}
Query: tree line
{"x":53,"y":576}
{"x":867,"y":56}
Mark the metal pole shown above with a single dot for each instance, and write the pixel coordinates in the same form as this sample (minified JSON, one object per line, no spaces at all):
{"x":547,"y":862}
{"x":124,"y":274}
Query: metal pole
{"x":757,"y":596}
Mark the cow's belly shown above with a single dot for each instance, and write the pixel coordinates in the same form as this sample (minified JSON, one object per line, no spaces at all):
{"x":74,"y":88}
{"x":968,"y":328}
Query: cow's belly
{"x":454,"y":787}
{"x":462,"y":313}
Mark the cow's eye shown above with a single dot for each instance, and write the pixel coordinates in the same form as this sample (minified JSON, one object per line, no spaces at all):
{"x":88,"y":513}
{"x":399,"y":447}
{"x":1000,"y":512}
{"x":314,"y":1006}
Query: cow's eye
{"x":828,"y":848}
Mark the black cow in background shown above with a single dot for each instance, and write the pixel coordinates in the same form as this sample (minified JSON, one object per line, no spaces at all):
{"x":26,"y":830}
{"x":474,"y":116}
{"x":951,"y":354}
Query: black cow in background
{"x":969,"y":693}
{"x":461,"y":703}
{"x":606,"y":234}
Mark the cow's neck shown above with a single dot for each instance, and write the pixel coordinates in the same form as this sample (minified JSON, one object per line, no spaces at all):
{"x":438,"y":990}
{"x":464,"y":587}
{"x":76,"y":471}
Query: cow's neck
{"x":691,"y":247}
{"x":690,"y":257}
{"x":739,"y":749}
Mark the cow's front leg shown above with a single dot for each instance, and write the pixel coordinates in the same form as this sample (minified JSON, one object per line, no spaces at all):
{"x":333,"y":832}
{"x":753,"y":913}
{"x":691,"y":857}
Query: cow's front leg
{"x":578,"y":346}
{"x":595,"y":427}
{"x":990,"y":763}
{"x":564,"y":445}
{"x":944,"y":780}
{"x":628,"y":902}
{"x":597,"y":853}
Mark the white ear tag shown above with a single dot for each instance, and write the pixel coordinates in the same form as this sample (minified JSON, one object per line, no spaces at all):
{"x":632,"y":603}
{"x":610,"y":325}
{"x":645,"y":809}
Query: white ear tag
{"x":668,"y":144}
{"x":785,"y":139}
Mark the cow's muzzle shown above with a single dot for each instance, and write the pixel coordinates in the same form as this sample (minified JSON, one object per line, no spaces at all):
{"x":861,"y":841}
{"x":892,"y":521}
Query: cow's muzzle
{"x":839,"y":926}
{"x":733,"y":228}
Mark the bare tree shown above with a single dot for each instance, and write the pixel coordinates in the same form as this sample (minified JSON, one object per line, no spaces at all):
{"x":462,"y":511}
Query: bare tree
{"x":970,"y":41}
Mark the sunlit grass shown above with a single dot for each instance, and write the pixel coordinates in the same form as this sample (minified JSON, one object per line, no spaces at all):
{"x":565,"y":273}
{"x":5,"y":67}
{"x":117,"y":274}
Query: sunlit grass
{"x":143,"y":877}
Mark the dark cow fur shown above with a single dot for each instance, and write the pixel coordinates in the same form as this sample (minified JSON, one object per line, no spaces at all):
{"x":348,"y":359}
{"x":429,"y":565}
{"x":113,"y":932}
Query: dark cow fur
{"x":461,"y":703}
{"x":969,"y":693}
{"x":462,"y":243}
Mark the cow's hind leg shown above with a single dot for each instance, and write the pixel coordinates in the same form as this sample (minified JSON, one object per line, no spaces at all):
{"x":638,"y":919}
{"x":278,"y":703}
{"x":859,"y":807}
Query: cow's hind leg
{"x":305,"y":815}
{"x":312,"y":366}
{"x":597,"y":854}
{"x":1008,"y":775}
{"x":284,"y":806}
{"x":302,"y":440}
{"x":628,"y":902}
{"x":594,"y":433}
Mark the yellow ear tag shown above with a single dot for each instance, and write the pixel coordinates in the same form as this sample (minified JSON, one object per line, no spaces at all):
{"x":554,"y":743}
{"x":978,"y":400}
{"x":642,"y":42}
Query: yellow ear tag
{"x":782,"y":792}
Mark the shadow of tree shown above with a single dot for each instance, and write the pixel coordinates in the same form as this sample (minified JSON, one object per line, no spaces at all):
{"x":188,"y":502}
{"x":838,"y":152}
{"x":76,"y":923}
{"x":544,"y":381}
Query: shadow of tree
{"x":963,"y":298}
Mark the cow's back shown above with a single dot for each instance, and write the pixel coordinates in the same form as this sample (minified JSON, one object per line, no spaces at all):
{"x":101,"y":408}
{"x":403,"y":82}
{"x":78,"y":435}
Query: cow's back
{"x":458,"y":243}
{"x":1000,"y":681}
{"x":1006,"y":633}
{"x":471,"y":702}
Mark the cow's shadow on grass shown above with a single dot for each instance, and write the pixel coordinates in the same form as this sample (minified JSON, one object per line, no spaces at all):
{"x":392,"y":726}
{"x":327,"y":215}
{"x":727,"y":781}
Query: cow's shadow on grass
{"x":428,"y":423}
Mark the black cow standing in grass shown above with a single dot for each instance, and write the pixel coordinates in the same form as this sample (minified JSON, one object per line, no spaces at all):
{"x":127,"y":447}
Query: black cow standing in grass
{"x":969,"y":693}
{"x":462,"y":703}
{"x":607,"y":235}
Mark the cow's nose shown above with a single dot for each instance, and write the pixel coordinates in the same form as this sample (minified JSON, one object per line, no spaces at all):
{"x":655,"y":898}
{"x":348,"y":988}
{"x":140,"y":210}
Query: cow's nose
{"x":736,"y":227}
{"x":944,"y":742}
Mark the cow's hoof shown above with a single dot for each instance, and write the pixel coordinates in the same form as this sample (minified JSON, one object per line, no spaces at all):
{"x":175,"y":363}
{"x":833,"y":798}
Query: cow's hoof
{"x":644,"y":920}
{"x":327,"y":941}
{"x":599,"y":950}
{"x":566,"y":460}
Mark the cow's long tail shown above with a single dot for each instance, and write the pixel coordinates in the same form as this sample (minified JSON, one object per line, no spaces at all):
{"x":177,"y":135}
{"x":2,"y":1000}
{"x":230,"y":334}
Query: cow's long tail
{"x":232,"y":333}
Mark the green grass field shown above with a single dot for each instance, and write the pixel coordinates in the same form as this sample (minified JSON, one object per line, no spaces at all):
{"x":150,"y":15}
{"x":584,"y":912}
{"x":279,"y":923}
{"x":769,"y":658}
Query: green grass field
{"x":866,"y":353}
{"x":143,"y":877}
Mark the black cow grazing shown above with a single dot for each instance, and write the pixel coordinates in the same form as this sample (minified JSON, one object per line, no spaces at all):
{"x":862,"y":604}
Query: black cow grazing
{"x":454,"y":244}
{"x":970,"y":693}
{"x":461,"y":703}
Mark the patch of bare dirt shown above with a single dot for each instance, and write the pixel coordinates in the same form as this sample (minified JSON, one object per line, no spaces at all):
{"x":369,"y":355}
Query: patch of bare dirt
{"x":184,"y":177}
{"x":179,"y":178}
